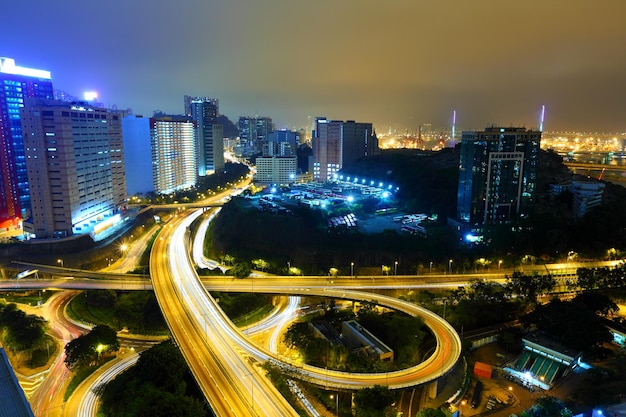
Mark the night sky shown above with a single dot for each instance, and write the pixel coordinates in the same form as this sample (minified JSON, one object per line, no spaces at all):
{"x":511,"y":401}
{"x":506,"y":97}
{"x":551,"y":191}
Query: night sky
{"x":395,"y":63}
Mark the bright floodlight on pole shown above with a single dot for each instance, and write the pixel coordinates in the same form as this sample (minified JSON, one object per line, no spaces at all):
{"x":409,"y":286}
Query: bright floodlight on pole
{"x":90,"y":95}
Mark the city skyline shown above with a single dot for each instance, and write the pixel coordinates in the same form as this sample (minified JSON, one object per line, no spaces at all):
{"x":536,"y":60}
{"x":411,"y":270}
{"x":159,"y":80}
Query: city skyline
{"x":398,"y":65}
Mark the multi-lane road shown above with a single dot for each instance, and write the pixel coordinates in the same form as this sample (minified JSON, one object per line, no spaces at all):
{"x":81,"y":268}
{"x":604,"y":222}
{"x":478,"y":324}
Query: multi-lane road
{"x":220,"y":356}
{"x":224,"y":360}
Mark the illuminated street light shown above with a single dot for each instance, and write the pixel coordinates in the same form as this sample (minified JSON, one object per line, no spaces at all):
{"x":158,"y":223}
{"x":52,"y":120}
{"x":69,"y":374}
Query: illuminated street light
{"x":351,"y":269}
{"x":60,"y":261}
{"x":499,"y":263}
{"x":395,"y":268}
{"x":450,"y":266}
{"x":336,"y":398}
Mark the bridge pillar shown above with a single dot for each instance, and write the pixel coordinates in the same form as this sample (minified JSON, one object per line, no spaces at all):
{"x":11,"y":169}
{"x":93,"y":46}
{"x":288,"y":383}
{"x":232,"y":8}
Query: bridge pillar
{"x":432,"y":390}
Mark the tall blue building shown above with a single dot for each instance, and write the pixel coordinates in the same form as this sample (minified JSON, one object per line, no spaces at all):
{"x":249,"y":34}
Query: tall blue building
{"x":16,"y":84}
{"x":209,"y":136}
{"x":497,"y":175}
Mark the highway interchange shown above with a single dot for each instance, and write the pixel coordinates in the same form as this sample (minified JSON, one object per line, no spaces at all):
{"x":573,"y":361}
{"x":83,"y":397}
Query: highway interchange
{"x":225,"y":361}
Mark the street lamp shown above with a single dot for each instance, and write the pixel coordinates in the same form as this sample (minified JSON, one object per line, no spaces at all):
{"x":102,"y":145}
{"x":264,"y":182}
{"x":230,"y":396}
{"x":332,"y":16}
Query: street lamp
{"x":351,"y":269}
{"x":60,"y":261}
{"x":336,"y":398}
{"x":395,"y":268}
{"x":499,"y":263}
{"x":450,"y":266}
{"x":430,"y":268}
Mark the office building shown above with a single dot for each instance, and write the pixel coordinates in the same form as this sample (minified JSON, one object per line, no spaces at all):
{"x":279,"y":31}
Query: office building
{"x":338,"y":144}
{"x":497,"y":175}
{"x":209,"y":136}
{"x":137,"y":142}
{"x":190,"y":99}
{"x":75,"y":165}
{"x":16,"y":84}
{"x":281,"y":143}
{"x":276,"y":169}
{"x":253,"y":132}
{"x":172,"y":145}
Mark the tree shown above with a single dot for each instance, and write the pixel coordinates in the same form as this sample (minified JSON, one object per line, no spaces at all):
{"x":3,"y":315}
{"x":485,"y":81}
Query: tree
{"x":430,"y":412}
{"x":23,"y":331}
{"x":529,"y":287}
{"x":241,"y":270}
{"x":373,"y":402}
{"x":88,"y":347}
{"x":573,"y":324}
{"x":156,"y":386}
{"x":596,"y":302}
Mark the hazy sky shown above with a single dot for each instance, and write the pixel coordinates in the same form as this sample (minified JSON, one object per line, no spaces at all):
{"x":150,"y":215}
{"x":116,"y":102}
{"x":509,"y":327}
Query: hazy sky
{"x":394,"y":63}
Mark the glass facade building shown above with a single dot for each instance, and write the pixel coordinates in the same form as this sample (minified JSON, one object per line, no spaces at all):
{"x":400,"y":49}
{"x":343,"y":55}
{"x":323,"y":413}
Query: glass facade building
{"x":497,"y":175}
{"x":16,"y":84}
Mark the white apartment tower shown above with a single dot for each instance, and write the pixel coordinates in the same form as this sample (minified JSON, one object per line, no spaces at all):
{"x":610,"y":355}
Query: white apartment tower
{"x":75,"y":165}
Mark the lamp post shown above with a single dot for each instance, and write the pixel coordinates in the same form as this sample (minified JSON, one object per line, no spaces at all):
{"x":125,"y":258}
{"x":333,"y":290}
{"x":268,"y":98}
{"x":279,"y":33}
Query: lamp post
{"x":60,"y":261}
{"x":499,"y":263}
{"x":450,"y":266}
{"x":395,"y":268}
{"x":352,"y":269}
{"x":336,"y":398}
{"x":430,"y":268}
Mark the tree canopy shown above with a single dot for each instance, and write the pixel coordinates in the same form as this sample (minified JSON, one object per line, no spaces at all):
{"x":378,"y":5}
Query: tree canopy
{"x":88,"y":347}
{"x":155,"y":386}
{"x":21,"y":331}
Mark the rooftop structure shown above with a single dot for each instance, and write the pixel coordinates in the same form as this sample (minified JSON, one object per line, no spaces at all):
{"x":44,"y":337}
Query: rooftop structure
{"x":357,"y":337}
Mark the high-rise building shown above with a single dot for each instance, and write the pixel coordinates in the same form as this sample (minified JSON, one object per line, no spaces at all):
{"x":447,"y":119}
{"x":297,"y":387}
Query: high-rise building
{"x":209,"y":136}
{"x":497,"y":175}
{"x":190,"y":99}
{"x":174,"y":161}
{"x":253,"y":132}
{"x":75,"y":165}
{"x":16,"y":84}
{"x":281,"y":143}
{"x":338,"y":144}
{"x":136,"y":133}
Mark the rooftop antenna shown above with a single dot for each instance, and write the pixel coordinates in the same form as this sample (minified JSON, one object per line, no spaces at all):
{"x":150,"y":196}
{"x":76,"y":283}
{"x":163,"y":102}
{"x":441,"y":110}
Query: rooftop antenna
{"x":453,"y":124}
{"x":543,"y":114}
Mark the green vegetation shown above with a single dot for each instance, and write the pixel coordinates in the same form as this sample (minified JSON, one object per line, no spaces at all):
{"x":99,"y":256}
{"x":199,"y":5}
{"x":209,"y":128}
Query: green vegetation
{"x":88,"y":348}
{"x":374,"y":402}
{"x":31,"y":298}
{"x":160,"y":384}
{"x":22,"y":332}
{"x":137,"y":311}
{"x":402,"y":333}
{"x":279,"y":377}
{"x":430,"y":412}
{"x":575,"y":323}
{"x":80,"y":375}
{"x":244,"y":308}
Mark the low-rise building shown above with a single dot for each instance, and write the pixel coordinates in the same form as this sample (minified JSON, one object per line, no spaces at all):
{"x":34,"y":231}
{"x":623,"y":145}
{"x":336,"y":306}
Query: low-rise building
{"x":359,"y":338}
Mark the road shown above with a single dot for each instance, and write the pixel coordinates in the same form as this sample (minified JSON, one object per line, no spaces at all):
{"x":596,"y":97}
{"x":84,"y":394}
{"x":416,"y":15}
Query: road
{"x":231,"y":382}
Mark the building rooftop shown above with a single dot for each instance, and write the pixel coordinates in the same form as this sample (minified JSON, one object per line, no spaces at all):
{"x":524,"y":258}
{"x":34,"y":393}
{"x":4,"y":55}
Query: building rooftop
{"x":13,"y":402}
